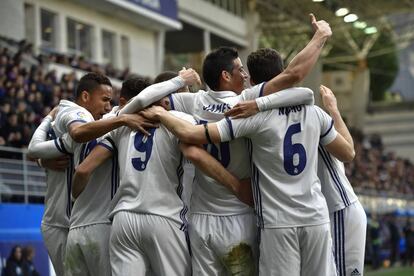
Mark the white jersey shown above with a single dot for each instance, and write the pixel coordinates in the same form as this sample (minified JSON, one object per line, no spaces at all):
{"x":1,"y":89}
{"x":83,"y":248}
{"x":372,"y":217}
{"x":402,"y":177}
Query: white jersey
{"x":57,"y":199}
{"x":58,"y":204}
{"x":336,"y":188}
{"x":208,"y":196}
{"x":151,"y":172}
{"x":284,"y":148}
{"x":93,"y":204}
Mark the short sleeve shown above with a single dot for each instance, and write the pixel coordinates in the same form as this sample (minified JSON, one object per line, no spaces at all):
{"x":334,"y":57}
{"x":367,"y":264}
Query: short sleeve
{"x":328,"y":132}
{"x":109,"y":140}
{"x":230,"y":129}
{"x":253,"y":92}
{"x":183,"y":102}
{"x":74,"y":116}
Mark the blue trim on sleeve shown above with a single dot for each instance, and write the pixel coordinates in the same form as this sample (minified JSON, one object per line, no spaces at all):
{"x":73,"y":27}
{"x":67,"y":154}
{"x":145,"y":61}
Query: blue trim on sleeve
{"x":261,"y":90}
{"x":77,"y":121}
{"x":58,"y":146}
{"x":326,"y":133}
{"x":106,"y":146}
{"x":171,"y":101}
{"x":230,"y":127}
{"x":63,"y":146}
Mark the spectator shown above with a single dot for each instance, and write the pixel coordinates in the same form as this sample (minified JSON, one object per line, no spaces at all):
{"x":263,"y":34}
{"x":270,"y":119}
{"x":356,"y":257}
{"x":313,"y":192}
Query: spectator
{"x":409,"y":241}
{"x":14,"y":262}
{"x":27,"y":262}
{"x":394,"y":240}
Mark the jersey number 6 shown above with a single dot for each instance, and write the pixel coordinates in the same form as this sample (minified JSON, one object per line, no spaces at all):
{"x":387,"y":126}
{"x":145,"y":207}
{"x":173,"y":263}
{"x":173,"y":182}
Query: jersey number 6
{"x":293,"y":166}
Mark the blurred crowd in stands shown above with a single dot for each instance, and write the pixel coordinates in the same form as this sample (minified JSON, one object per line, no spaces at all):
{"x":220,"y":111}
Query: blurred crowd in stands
{"x":28,"y":91}
{"x":377,"y":171}
{"x":390,"y":240}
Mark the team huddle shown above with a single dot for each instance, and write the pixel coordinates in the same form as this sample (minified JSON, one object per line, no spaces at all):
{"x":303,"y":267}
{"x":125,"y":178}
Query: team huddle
{"x":235,"y":180}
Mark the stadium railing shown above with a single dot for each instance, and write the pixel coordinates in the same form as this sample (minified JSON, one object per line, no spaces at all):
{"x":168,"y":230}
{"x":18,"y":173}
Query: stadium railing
{"x":20,"y":179}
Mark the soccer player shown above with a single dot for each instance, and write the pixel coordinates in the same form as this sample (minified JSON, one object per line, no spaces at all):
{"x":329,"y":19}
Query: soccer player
{"x":348,"y":218}
{"x":292,"y":212}
{"x":232,"y":247}
{"x":94,"y":93}
{"x":149,"y":218}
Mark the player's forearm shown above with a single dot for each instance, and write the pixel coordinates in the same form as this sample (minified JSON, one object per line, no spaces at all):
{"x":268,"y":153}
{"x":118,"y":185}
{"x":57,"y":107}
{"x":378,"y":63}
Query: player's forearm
{"x":152,"y":94}
{"x":185,"y":131}
{"x":40,"y":134}
{"x":212,"y":168}
{"x":80,"y":180}
{"x":299,"y":67}
{"x":83,"y":133}
{"x":288,"y":97}
{"x":39,"y":147}
{"x":84,"y":171}
{"x":341,"y":127}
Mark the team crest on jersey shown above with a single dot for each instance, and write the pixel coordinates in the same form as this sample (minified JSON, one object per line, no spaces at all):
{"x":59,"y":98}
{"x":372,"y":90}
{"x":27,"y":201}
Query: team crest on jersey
{"x":82,"y":115}
{"x":355,"y":273}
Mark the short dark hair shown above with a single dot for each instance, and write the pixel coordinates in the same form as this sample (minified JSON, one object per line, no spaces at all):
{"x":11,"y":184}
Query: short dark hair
{"x":133,"y":86}
{"x":90,"y":82}
{"x":217,"y":61}
{"x":164,"y":76}
{"x":264,"y":64}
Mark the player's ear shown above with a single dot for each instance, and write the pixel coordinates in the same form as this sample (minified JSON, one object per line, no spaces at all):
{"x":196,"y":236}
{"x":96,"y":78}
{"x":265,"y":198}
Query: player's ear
{"x":226,"y":76}
{"x":85,"y":96}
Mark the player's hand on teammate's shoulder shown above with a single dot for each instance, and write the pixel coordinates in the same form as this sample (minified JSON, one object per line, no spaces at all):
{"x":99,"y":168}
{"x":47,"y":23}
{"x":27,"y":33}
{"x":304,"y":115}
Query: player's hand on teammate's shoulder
{"x":153,"y":113}
{"x":138,"y":122}
{"x":190,"y":76}
{"x":328,"y":99}
{"x":321,"y":27}
{"x":243,"y":110}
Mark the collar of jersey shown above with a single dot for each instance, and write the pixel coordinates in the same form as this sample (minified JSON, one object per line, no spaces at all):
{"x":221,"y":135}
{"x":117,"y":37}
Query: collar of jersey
{"x":221,"y":94}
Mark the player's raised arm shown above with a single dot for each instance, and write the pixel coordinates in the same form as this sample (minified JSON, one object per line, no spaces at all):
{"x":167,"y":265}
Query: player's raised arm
{"x":303,"y":62}
{"x":331,"y":106}
{"x":333,"y":141}
{"x":160,"y":90}
{"x":214,"y":169}
{"x":83,"y":172}
{"x":185,"y":131}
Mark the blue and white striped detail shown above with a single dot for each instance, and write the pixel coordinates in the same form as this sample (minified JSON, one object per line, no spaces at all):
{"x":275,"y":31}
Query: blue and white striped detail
{"x":180,"y":189}
{"x":262,"y":89}
{"x":115,"y":174}
{"x":257,"y":196}
{"x":339,"y":242}
{"x":329,"y":129}
{"x":230,"y":128}
{"x":86,"y":149}
{"x":69,"y":174}
{"x":329,"y":162}
{"x":171,"y":102}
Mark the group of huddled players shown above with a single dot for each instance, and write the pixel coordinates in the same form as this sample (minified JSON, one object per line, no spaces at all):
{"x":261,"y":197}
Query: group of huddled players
{"x":120,"y":205}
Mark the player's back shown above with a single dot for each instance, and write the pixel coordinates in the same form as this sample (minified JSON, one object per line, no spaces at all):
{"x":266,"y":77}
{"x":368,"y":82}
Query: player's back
{"x":150,"y":172}
{"x":336,"y":188}
{"x":284,"y":146}
{"x":208,"y":196}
